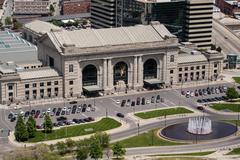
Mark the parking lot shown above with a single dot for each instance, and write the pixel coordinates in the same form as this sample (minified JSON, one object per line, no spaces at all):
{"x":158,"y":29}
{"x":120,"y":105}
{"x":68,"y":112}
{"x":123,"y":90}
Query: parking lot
{"x":77,"y":111}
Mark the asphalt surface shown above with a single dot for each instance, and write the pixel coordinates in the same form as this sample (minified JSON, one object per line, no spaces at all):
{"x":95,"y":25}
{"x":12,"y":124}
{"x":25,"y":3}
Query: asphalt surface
{"x":109,"y":107}
{"x":229,"y":42}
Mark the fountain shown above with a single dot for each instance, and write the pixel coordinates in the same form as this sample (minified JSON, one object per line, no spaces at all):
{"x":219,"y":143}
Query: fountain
{"x":198,"y":129}
{"x":199,"y":125}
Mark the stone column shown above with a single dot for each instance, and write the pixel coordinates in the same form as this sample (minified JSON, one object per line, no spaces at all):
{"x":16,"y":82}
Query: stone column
{"x":160,"y":69}
{"x":164,"y":69}
{"x":80,"y":80}
{"x":110,"y":74}
{"x":140,"y":71}
{"x":105,"y":68}
{"x":135,"y":72}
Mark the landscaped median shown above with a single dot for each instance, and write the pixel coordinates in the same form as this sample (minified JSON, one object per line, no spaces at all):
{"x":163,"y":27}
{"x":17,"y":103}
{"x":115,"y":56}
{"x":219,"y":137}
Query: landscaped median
{"x":77,"y":130}
{"x":162,"y":112}
{"x":226,"y":107}
{"x":237,"y":79}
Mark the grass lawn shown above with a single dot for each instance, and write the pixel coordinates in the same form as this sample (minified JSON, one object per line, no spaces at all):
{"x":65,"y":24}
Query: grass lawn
{"x":189,"y":154}
{"x":77,"y":130}
{"x":234,"y":151}
{"x":162,"y":112}
{"x":224,"y":106}
{"x":146,"y":139}
{"x":233,"y":122}
{"x":237,"y":79}
{"x":179,"y":158}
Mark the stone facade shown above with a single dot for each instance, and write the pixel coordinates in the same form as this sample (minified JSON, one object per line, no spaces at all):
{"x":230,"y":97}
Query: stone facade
{"x":75,"y":6}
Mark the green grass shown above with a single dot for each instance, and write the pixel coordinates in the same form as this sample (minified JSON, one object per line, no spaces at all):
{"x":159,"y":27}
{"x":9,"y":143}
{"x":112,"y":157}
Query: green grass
{"x":189,"y":154}
{"x":226,"y":106}
{"x":237,"y":79}
{"x":146,"y":139}
{"x":234,"y":151}
{"x":77,"y":130}
{"x":162,"y":112}
{"x":233,"y":122}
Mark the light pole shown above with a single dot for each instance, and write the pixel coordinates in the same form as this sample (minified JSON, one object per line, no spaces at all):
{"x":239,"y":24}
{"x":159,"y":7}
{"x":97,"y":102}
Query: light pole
{"x":138,"y":127}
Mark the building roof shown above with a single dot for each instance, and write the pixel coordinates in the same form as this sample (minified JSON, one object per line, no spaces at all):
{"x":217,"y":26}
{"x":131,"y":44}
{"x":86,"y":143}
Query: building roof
{"x":14,"y":48}
{"x":40,"y":27}
{"x":230,"y":21}
{"x":188,"y":58}
{"x":38,"y":73}
{"x":93,"y":38}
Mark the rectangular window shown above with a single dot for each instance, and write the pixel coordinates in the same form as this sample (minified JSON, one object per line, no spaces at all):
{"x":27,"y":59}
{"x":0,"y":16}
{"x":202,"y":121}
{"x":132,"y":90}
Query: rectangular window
{"x":10,"y":87}
{"x":180,"y":69}
{"x":70,"y":82}
{"x":215,"y":65}
{"x":56,"y":91}
{"x":49,"y":92}
{"x":42,"y":93}
{"x":70,"y":67}
{"x":26,"y":85}
{"x":198,"y":67}
{"x":215,"y":71}
{"x":192,"y":68}
{"x":55,"y":82}
{"x":186,"y":68}
{"x":49,"y":83}
{"x":34,"y":85}
{"x":171,"y":71}
{"x":41,"y":84}
{"x":172,"y":58}
{"x":203,"y":67}
{"x":34,"y":94}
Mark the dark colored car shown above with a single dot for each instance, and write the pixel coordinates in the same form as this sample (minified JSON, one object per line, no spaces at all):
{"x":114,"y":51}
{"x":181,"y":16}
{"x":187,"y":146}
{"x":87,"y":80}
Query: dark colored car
{"x":199,"y":101}
{"x":91,"y":119}
{"x":73,"y":102}
{"x":74,"y":109}
{"x":33,"y":112}
{"x":138,"y":101}
{"x":143,"y":101}
{"x":27,"y":113}
{"x":200,"y":108}
{"x":10,"y":116}
{"x":62,"y":118}
{"x":120,"y":115}
{"x":123,"y":103}
{"x":13,"y":119}
{"x":133,"y":103}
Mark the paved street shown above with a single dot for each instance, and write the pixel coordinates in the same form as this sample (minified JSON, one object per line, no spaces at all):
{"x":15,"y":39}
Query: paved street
{"x":108,"y":106}
{"x":229,"y":42}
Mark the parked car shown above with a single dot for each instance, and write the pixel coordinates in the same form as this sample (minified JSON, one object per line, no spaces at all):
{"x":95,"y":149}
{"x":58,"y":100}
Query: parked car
{"x":123,"y":103}
{"x":62,"y":118}
{"x":153,"y":99}
{"x":138,"y":101}
{"x":120,"y":115}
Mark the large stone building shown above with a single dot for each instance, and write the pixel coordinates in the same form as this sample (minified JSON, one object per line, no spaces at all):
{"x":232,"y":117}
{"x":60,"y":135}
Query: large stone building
{"x":104,"y":61}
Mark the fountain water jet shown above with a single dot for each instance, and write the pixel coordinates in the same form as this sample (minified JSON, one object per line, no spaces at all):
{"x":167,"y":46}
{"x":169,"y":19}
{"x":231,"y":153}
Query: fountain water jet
{"x":199,"y":125}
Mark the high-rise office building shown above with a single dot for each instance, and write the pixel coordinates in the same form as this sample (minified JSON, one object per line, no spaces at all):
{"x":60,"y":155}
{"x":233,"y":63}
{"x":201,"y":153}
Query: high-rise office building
{"x":198,"y":22}
{"x":190,"y":20}
{"x":103,"y":13}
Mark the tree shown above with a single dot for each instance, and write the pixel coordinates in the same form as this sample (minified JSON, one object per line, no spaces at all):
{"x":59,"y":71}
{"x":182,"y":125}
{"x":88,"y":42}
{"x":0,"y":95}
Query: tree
{"x":232,"y":93}
{"x":219,"y":49}
{"x":96,"y":150}
{"x":52,"y":9}
{"x":48,"y":125}
{"x":118,"y":150}
{"x":61,"y":147}
{"x":103,"y":138}
{"x":82,"y":153}
{"x":21,"y":133}
{"x":70,"y":144}
{"x":213,"y":47}
{"x":31,"y":127}
{"x":8,"y":21}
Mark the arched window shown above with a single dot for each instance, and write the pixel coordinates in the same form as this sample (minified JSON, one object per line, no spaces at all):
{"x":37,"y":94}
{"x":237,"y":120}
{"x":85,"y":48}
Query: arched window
{"x":89,"y":75}
{"x":120,"y":73}
{"x":150,"y":69}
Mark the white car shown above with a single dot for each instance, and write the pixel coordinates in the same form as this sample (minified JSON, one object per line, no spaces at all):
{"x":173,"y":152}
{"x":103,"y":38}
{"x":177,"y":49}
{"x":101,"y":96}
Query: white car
{"x":148,"y":101}
{"x":118,"y":101}
{"x":88,"y":109}
{"x":64,"y":109}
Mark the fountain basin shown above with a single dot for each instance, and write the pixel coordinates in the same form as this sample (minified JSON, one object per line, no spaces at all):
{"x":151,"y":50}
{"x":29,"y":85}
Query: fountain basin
{"x":180,"y":132}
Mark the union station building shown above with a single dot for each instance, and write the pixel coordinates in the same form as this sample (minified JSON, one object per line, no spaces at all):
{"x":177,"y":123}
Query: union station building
{"x":93,"y":62}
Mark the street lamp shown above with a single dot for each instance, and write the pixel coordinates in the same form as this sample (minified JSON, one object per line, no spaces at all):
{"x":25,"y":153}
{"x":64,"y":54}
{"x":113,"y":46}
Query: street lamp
{"x":138,"y":127}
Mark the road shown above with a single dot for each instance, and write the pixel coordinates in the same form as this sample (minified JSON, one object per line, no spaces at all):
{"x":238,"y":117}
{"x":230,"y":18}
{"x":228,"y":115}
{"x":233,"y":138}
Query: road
{"x":225,"y":39}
